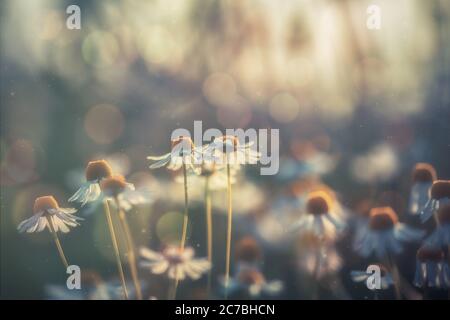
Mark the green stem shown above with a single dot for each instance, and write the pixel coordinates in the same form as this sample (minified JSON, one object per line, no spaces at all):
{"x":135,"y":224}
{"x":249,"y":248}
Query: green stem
{"x":116,"y":248}
{"x":173,"y":292}
{"x":58,"y":244}
{"x":209,"y":236}
{"x":131,"y":250}
{"x":395,"y":276}
{"x":230,"y":220}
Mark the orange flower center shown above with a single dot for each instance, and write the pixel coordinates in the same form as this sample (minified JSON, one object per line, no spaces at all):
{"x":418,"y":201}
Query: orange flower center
{"x":248,"y":250}
{"x":44,"y":203}
{"x":318,"y":202}
{"x":424,"y":172}
{"x":429,"y":254}
{"x":113,"y":185}
{"x":383,"y":218}
{"x":97,"y":170}
{"x":185,"y":141}
{"x":440,"y":189}
{"x":234,"y":141}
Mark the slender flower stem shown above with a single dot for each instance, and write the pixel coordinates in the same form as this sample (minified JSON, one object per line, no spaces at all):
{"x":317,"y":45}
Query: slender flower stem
{"x":208,"y":231}
{"x":395,"y":276}
{"x":116,"y":248}
{"x":131,"y":249}
{"x":230,"y":220}
{"x":173,"y":292}
{"x":186,"y":214}
{"x":436,"y":219}
{"x":58,"y":244}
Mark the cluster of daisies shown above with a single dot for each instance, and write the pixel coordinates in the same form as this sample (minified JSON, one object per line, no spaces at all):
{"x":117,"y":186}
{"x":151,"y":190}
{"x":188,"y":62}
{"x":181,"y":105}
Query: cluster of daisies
{"x":315,"y":223}
{"x":214,"y":163}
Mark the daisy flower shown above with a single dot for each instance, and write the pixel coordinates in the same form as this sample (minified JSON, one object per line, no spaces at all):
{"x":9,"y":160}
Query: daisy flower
{"x":228,"y":150}
{"x":248,"y":252}
{"x":183,"y":152}
{"x":90,"y":191}
{"x":384,"y":234}
{"x":362,"y":276}
{"x":174,"y":262}
{"x":250,"y":281}
{"x":116,"y":187}
{"x":440,"y":196}
{"x":423,"y":177}
{"x":47,"y":213}
{"x":441,"y":235}
{"x":320,"y":218}
{"x":431,"y":268}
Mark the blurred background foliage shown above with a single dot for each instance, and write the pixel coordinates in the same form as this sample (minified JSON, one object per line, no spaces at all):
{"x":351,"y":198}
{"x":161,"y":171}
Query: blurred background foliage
{"x":374,"y":101}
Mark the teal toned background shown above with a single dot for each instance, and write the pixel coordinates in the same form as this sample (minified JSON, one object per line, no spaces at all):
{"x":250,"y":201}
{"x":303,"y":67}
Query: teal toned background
{"x":375,"y":101}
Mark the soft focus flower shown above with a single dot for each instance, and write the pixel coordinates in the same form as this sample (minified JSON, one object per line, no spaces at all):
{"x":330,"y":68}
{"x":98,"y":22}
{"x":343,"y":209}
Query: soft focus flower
{"x":90,"y":191}
{"x":45,"y":209}
{"x":92,"y":288}
{"x":440,"y":196}
{"x":320,"y":260}
{"x":183,"y":152}
{"x":320,"y":218}
{"x":431,"y":268}
{"x":441,"y":235}
{"x":423,"y":177}
{"x":228,"y":150}
{"x":248,"y":252}
{"x":384,"y":234}
{"x":116,"y":187}
{"x":318,"y":164}
{"x":175,"y":262}
{"x":252,"y":282}
{"x":362,"y":276}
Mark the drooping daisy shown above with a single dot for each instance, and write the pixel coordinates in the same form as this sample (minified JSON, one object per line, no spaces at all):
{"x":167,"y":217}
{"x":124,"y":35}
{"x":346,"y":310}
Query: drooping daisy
{"x":319,"y":218}
{"x":47,"y":213}
{"x":248,"y":252}
{"x":384,"y":234}
{"x":122,"y":193}
{"x":423,"y":177}
{"x":432,"y":269}
{"x":439,"y":196}
{"x":250,"y":282}
{"x":440,"y":237}
{"x":90,"y":191}
{"x":386,"y":279}
{"x":174,"y":262}
{"x":227,"y":150}
{"x":183,"y":152}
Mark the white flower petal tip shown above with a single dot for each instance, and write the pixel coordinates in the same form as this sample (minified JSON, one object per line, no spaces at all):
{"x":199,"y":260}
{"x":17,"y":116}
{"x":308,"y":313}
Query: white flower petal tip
{"x":175,"y":263}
